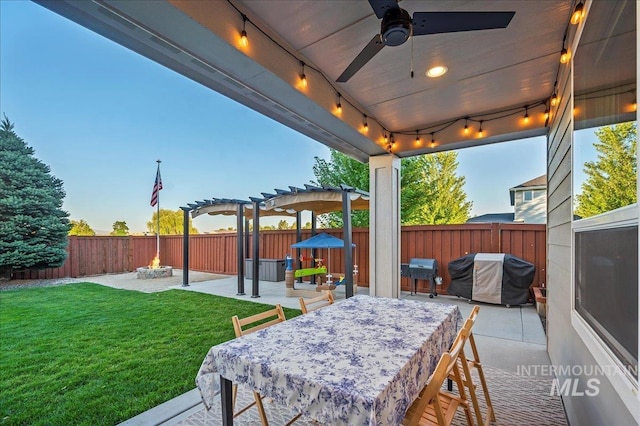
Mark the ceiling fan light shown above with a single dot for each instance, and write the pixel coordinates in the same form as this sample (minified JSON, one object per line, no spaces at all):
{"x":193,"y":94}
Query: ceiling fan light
{"x":395,"y":27}
{"x":437,"y":71}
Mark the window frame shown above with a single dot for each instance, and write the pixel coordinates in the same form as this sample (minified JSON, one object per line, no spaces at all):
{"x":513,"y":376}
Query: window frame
{"x":621,"y":379}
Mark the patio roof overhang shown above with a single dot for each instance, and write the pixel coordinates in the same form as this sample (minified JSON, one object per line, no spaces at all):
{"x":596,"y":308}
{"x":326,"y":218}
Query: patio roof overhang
{"x":494,"y":75}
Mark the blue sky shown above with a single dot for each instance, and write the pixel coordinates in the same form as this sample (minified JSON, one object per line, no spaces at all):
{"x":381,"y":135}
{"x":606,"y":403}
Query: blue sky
{"x":100,"y":115}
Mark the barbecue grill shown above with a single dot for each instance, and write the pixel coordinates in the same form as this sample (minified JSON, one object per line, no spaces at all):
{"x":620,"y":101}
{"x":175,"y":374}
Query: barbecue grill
{"x":421,"y":269}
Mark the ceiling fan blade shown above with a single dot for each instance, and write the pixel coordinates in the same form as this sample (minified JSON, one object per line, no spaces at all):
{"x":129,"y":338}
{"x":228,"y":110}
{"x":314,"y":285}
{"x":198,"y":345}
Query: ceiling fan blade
{"x":380,"y":7}
{"x":451,"y":22}
{"x":369,"y":51}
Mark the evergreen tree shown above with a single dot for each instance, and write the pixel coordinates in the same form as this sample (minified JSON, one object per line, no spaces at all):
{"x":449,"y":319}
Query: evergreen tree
{"x":611,"y":178}
{"x":33,"y":226}
{"x":81,"y":228}
{"x":441,"y":198}
{"x":430,"y":190}
{"x":171,"y":223}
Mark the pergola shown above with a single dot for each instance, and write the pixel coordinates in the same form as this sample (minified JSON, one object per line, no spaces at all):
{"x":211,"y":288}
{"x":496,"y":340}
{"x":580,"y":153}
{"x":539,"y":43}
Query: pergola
{"x":291,"y":202}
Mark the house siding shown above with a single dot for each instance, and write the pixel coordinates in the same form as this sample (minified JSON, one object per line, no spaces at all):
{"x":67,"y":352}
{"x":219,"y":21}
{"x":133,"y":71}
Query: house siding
{"x":532,"y":211}
{"x":565,"y":347}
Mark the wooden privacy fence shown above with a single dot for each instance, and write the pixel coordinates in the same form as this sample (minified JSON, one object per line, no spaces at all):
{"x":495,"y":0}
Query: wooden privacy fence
{"x":217,"y":252}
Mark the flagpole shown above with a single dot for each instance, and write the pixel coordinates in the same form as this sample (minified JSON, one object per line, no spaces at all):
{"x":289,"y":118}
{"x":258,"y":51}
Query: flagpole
{"x":158,"y":219}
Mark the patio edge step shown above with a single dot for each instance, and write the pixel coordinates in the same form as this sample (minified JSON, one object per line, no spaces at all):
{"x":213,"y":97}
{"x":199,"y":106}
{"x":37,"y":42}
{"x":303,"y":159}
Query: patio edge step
{"x":166,"y":411}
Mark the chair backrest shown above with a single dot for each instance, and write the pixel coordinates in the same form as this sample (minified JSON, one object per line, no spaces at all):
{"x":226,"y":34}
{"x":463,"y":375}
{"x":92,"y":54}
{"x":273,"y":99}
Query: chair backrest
{"x":473,"y":316}
{"x":317,"y":302}
{"x":248,"y":325}
{"x":429,"y":394}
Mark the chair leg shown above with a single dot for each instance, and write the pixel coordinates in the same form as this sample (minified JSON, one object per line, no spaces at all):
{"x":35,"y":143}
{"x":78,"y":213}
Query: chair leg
{"x":490,"y":413}
{"x":263,"y":415}
{"x":234,"y":393}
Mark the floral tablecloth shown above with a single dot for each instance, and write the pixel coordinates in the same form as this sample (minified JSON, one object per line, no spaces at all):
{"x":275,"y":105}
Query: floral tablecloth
{"x":360,"y":361}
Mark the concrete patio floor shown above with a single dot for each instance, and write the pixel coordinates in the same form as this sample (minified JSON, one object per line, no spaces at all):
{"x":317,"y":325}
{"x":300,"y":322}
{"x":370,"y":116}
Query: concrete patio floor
{"x":509,"y":340}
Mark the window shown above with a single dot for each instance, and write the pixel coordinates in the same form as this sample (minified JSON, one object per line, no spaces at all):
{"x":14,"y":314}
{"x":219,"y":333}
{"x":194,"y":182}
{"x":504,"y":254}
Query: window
{"x":531,"y":195}
{"x":606,"y":294}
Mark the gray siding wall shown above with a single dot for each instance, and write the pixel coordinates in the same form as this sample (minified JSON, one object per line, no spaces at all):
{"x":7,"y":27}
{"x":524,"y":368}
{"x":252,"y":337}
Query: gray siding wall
{"x":533,"y":211}
{"x":564,"y":345}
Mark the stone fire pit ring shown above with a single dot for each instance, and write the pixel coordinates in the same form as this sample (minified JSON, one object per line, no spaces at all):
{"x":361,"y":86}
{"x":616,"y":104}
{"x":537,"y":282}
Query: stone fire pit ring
{"x":146,"y":273}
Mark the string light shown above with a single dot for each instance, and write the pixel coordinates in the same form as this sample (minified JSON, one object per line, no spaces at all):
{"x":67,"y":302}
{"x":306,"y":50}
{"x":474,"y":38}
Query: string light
{"x":339,"y":105}
{"x":433,"y":141}
{"x":546,"y":112}
{"x":393,"y":141}
{"x":466,"y":125}
{"x":244,"y":41}
{"x":578,"y":14}
{"x":418,"y":142}
{"x":480,"y":131}
{"x":526,"y":114}
{"x":365,"y":124}
{"x":554,"y":99}
{"x":303,"y":77}
{"x":565,"y":55}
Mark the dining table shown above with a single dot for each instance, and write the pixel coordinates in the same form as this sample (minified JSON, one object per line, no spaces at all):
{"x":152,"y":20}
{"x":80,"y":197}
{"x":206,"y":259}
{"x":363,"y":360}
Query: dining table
{"x":359,"y":361}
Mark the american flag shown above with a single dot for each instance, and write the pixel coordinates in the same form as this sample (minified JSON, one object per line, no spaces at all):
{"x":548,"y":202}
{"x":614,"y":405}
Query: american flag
{"x":157,"y":186}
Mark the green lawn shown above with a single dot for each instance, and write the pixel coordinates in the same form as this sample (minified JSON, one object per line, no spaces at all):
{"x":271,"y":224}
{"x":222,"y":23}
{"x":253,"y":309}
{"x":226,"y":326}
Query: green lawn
{"x":93,"y":355}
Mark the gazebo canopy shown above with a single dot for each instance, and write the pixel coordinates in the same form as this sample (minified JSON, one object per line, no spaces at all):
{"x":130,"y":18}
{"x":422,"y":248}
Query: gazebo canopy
{"x":322,"y":240}
{"x":319,"y":200}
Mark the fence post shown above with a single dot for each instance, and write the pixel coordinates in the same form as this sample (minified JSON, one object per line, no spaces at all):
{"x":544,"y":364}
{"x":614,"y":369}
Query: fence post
{"x":495,"y":238}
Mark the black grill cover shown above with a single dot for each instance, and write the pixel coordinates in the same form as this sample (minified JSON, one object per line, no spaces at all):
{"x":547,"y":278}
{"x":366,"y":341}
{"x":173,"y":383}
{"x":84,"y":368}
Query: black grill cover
{"x":517,"y":277}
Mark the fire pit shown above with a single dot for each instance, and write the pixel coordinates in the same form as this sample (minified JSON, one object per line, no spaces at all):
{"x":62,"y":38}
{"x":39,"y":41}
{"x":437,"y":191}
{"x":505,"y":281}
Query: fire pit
{"x":154,"y":270}
{"x":146,"y":272}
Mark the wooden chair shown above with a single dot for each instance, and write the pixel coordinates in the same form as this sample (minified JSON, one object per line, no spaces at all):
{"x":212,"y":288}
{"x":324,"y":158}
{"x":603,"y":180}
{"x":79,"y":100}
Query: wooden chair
{"x":467,"y":364}
{"x":249,"y":325}
{"x":435,"y":406}
{"x":317,"y":302}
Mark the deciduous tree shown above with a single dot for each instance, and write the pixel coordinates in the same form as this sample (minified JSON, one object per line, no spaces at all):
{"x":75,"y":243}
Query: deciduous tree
{"x":171,"y":223}
{"x":611,"y":178}
{"x":120,"y":228}
{"x":33,"y":226}
{"x":431,"y":191}
{"x":81,"y":228}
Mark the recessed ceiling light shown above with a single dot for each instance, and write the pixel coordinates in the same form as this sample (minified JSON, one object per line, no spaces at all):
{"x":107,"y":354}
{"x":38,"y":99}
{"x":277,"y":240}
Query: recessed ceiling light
{"x":436,"y":71}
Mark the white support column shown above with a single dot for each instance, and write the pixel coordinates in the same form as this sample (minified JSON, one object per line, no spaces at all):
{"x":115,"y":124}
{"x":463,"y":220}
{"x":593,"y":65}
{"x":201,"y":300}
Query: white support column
{"x":384,"y":226}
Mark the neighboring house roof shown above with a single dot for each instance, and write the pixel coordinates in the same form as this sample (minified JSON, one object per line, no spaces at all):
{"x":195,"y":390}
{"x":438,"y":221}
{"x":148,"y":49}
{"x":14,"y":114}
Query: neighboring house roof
{"x":493,"y":218}
{"x":537,"y":183}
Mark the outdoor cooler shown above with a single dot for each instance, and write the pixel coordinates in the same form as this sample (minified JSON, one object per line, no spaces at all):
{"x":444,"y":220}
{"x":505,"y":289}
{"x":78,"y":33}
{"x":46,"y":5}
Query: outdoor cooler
{"x":421,"y":269}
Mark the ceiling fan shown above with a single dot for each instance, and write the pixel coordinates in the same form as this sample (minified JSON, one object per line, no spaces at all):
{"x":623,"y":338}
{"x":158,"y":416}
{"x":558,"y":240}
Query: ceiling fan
{"x":397,"y":26}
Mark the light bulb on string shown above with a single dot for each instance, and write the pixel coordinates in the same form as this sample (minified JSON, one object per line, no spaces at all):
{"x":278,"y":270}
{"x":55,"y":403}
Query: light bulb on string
{"x":565,"y":55}
{"x":365,"y":124}
{"x":546,"y":112}
{"x":578,"y":14}
{"x":418,"y":142}
{"x":554,"y":99}
{"x":480,"y":131}
{"x":339,"y":104}
{"x":303,"y":77}
{"x":244,"y":40}
{"x":526,"y":115}
{"x":466,"y":125}
{"x":433,"y":140}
